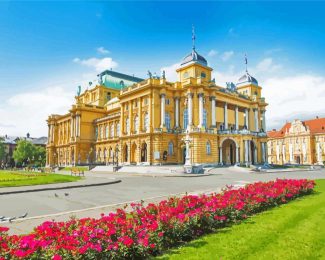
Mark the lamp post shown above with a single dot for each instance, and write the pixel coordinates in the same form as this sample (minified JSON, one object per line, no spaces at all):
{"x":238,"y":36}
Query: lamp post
{"x":188,"y":168}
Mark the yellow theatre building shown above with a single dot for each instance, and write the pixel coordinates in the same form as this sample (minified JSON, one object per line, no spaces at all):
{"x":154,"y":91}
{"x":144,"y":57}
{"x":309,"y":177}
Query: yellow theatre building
{"x":145,"y":121}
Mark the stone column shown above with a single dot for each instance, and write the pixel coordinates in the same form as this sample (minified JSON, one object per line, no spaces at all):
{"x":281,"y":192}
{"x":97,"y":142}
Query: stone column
{"x":213,"y":111}
{"x":220,"y":155}
{"x":176,"y":112}
{"x":263,"y":121}
{"x":226,"y":116}
{"x":130,"y":119}
{"x":246,"y":151}
{"x":256,"y":119}
{"x":71,"y":127}
{"x":249,"y":151}
{"x":162,"y":110}
{"x":77,"y":123}
{"x":49,"y":134}
{"x":200,"y":96}
{"x":283,"y":154}
{"x":140,"y":115}
{"x":247,"y":118}
{"x":190,"y":109}
{"x":150,"y":116}
{"x":236,"y":117}
{"x":122,"y":124}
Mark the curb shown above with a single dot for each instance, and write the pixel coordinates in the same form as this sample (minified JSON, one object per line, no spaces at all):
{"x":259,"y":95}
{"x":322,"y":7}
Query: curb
{"x":60,"y":188}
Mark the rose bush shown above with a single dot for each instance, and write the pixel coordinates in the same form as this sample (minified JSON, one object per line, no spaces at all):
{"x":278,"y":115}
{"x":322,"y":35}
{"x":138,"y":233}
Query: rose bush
{"x":148,"y":230}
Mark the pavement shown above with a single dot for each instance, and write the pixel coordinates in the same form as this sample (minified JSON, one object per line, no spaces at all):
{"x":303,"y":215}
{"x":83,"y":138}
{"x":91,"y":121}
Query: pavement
{"x":93,"y":200}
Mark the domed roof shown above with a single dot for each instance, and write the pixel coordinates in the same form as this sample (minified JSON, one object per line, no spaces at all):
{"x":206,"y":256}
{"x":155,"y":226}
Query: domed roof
{"x":247,"y":79}
{"x":194,"y":57}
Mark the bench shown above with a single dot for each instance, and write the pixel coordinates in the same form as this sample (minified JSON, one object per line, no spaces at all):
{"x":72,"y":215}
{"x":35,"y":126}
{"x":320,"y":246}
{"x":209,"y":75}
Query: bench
{"x":48,"y":170}
{"x":76,"y":171}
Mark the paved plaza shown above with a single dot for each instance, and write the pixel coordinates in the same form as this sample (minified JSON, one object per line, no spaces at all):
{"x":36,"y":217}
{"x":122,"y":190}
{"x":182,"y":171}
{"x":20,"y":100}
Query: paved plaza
{"x":91,"y":201}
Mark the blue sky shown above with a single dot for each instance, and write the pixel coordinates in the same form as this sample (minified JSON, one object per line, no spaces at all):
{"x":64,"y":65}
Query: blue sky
{"x":48,"y":48}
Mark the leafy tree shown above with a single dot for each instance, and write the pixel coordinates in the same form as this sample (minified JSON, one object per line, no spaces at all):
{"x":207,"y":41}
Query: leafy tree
{"x":29,"y":154}
{"x":2,"y":149}
{"x":40,"y":155}
{"x":24,"y":152}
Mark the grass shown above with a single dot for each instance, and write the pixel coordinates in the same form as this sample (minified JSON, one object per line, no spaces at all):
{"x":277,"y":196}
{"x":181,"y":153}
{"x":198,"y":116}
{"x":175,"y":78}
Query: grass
{"x":291,"y":231}
{"x":16,"y":179}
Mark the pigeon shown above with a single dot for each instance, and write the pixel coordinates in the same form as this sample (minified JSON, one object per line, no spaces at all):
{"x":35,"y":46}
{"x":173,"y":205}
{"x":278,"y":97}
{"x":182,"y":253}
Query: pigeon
{"x":66,"y":194}
{"x":11,"y":219}
{"x":2,"y":217}
{"x":56,"y":195}
{"x":24,"y":216}
{"x":5,"y":219}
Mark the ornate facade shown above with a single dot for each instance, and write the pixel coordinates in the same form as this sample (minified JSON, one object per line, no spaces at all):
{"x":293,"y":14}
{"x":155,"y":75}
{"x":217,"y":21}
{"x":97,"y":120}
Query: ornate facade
{"x":144,"y":121}
{"x":299,"y":142}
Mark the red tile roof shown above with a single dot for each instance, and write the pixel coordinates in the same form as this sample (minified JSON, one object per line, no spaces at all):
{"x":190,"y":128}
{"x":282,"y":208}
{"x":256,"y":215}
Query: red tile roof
{"x":316,"y":125}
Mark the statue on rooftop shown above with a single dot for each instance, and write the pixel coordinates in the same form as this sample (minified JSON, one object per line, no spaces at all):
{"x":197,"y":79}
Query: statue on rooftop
{"x":149,"y":74}
{"x":78,"y":90}
{"x":163,"y":74}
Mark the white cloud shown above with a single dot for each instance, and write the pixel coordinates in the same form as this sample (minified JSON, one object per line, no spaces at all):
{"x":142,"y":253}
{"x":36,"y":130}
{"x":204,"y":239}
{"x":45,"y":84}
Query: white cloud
{"x":28,"y":111}
{"x":267,"y":65}
{"x":227,"y":55}
{"x":98,"y":64}
{"x":102,"y":50}
{"x":293,"y":97}
{"x":170,"y":71}
{"x":212,"y":53}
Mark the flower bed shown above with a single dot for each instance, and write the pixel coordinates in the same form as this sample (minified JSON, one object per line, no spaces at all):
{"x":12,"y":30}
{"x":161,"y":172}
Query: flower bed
{"x":149,"y":230}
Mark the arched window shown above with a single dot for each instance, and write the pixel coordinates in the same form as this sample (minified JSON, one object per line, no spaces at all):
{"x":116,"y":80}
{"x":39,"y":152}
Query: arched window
{"x":203,"y":75}
{"x":127,"y":125}
{"x":208,"y":147}
{"x":186,"y":75}
{"x":118,"y":129}
{"x":106,"y":131}
{"x":167,"y":120}
{"x":170,"y":148}
{"x":111,"y":130}
{"x":204,"y":117}
{"x":136,"y":124}
{"x":185,"y":118}
{"x":146,"y":122}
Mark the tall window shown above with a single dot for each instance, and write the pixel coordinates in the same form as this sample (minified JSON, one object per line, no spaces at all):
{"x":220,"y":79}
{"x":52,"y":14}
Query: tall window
{"x":96,"y":133}
{"x":204,"y":117}
{"x":167,"y":120}
{"x":170,"y":148}
{"x":136,"y":124}
{"x":208,"y":147}
{"x":111,"y":130}
{"x":106,"y":131}
{"x":185,"y":118}
{"x":118,"y":129}
{"x":127,"y":125}
{"x":146,"y":122}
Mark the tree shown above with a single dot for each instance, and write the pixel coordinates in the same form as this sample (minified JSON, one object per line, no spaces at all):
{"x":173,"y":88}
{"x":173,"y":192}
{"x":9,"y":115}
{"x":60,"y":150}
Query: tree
{"x":40,"y":155}
{"x":24,"y":152}
{"x":2,"y":149}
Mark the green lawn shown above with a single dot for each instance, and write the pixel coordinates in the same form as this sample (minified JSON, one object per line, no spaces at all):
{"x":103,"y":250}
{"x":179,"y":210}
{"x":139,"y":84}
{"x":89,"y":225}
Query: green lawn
{"x":15,"y":179}
{"x":292,"y":231}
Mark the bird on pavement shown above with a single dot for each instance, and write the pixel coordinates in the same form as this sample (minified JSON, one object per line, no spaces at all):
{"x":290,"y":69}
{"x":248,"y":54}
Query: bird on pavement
{"x":56,"y":195}
{"x":66,"y":194}
{"x":2,"y":217}
{"x":23,"y":216}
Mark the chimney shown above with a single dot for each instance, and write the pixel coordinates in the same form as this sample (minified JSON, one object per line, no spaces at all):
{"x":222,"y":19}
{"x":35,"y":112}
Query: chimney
{"x":28,"y":135}
{"x":316,"y":117}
